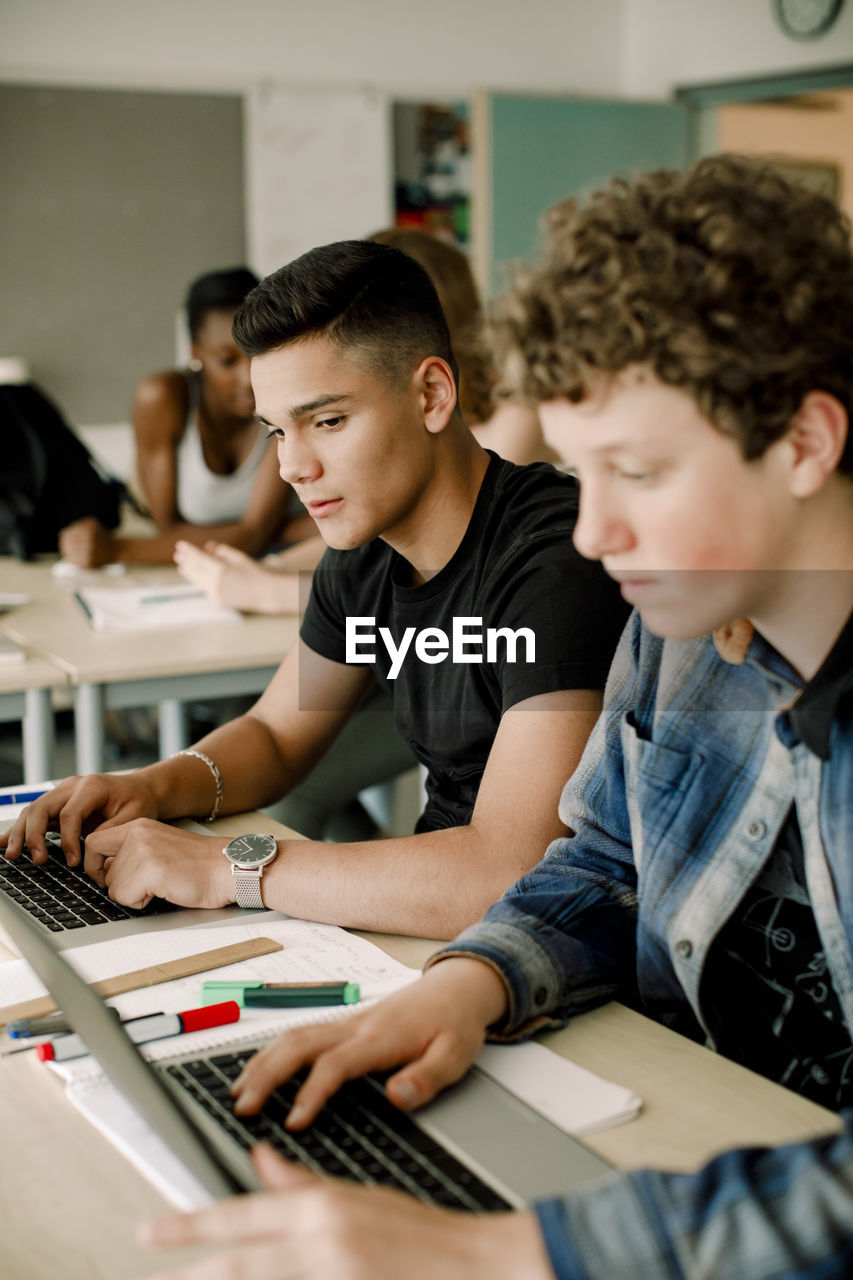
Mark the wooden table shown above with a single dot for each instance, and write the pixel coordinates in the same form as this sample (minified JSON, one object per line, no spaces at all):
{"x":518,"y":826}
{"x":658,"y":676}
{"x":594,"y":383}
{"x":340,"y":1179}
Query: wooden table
{"x":69,"y":1203}
{"x":165,"y":668}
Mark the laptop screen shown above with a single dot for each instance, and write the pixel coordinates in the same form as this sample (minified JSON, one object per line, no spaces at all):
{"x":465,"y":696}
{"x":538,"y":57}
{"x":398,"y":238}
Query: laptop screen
{"x":107,"y":1040}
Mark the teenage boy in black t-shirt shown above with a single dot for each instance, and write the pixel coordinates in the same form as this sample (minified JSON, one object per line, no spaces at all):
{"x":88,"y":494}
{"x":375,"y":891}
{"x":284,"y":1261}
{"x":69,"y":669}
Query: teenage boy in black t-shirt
{"x":515,"y":557}
{"x":464,"y":558}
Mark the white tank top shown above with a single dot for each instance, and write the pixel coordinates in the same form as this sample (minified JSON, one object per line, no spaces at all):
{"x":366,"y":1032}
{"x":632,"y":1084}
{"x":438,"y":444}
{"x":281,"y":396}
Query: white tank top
{"x":203,"y":496}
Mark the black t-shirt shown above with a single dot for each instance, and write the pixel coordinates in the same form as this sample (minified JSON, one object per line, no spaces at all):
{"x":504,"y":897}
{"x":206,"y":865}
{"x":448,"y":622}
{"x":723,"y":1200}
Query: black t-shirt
{"x":515,"y":568}
{"x":767,"y":993}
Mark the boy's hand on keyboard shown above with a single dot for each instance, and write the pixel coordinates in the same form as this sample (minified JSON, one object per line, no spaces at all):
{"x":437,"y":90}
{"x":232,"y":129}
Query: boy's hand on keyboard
{"x":435,"y":1027}
{"x":315,"y":1229}
{"x":76,"y":806}
{"x":144,"y":859}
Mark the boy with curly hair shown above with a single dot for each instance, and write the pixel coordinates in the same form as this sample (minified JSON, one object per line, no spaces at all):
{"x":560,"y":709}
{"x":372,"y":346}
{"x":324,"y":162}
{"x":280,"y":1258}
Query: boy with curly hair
{"x":690,"y":342}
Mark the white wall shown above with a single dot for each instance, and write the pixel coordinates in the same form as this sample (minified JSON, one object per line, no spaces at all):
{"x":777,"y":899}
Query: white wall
{"x":667,"y":43}
{"x":636,"y":48}
{"x":405,"y":47}
{"x":319,"y":77}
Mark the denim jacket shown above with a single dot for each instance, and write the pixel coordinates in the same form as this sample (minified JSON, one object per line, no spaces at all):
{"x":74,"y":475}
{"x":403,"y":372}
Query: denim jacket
{"x":685,"y":783}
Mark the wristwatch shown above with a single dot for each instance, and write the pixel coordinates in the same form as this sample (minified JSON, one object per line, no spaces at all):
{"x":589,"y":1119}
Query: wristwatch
{"x":248,"y":856}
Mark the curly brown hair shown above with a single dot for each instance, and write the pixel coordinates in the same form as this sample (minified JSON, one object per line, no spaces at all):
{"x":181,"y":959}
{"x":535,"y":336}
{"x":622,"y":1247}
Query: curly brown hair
{"x":450,"y":272}
{"x":728,"y":282}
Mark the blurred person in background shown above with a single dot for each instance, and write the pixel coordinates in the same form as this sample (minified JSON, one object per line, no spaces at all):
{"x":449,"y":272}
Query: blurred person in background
{"x":203,"y":466}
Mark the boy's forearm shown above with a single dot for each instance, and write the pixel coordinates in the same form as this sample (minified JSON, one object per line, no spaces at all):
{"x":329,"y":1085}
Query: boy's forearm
{"x":250,"y":767}
{"x":470,"y":981}
{"x":431,"y":885}
{"x":184,"y":786}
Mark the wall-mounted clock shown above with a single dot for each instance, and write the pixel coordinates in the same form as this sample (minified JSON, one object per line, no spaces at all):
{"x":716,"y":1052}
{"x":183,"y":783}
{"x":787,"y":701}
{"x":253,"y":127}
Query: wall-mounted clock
{"x":806,"y":19}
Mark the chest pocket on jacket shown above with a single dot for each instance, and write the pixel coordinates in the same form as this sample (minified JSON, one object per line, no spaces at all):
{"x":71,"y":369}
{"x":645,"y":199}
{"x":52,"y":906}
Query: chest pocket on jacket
{"x":658,"y":780}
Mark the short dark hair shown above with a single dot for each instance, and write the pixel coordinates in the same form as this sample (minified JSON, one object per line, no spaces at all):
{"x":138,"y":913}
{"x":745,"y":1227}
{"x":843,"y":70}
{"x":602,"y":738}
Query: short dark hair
{"x":216,"y":291}
{"x":728,"y":282}
{"x":357,"y":294}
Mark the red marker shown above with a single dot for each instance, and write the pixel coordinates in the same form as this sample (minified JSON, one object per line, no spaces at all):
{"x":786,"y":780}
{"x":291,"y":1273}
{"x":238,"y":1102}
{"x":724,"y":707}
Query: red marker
{"x":155,"y":1027}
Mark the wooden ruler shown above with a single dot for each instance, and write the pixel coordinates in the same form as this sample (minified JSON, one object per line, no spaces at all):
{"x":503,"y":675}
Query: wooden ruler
{"x":155,"y":973}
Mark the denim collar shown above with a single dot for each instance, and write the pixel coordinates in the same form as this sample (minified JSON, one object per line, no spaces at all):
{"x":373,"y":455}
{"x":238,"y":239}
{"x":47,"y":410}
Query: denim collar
{"x":814,"y":710}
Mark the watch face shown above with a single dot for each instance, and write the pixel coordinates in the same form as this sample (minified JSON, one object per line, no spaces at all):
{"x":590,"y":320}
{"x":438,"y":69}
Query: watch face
{"x":252,"y":850}
{"x":805,"y":19}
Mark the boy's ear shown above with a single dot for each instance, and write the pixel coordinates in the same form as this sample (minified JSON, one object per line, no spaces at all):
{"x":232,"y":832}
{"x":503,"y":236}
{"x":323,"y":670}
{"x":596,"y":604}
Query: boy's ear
{"x":817,"y":436}
{"x":436,"y":386}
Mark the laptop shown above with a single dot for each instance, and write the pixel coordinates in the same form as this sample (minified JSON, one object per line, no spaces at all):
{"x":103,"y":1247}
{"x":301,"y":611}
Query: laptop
{"x":69,"y":906}
{"x":477,"y":1147}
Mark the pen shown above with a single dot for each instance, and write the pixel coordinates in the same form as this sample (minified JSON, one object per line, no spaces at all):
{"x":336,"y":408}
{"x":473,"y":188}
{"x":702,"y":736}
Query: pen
{"x":53,"y":1024}
{"x":22,"y":797}
{"x":254,"y":994}
{"x":157,"y":1026}
{"x":83,"y":605}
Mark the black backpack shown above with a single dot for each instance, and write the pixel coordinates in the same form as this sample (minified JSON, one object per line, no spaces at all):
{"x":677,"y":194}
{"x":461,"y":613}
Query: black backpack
{"x":48,"y":478}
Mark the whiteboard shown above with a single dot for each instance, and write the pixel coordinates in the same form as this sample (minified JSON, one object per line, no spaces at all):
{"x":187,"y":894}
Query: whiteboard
{"x":319,"y":168}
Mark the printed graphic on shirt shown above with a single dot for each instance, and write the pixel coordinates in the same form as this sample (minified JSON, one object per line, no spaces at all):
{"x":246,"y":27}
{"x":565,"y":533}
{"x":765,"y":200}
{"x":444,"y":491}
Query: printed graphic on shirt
{"x":768,"y":983}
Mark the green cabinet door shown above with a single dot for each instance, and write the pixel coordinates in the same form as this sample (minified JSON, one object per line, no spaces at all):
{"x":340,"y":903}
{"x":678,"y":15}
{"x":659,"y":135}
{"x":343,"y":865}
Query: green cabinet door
{"x":537,"y":150}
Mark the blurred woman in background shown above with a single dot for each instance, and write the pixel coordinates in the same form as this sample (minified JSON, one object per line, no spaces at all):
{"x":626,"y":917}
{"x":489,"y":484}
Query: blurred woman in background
{"x":512,"y":430}
{"x":203,"y":466}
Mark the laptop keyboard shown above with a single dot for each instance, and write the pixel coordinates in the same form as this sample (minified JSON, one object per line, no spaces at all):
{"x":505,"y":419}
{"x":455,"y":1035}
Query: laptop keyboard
{"x":62,"y":897}
{"x":358,"y":1135}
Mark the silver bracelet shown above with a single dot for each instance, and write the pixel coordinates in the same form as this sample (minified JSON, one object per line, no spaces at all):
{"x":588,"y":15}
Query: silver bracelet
{"x":217,"y":778}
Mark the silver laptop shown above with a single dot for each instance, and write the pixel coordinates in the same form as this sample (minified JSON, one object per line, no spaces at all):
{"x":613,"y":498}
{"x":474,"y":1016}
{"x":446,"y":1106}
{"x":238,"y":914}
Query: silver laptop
{"x":69,"y":906}
{"x":478,"y":1147}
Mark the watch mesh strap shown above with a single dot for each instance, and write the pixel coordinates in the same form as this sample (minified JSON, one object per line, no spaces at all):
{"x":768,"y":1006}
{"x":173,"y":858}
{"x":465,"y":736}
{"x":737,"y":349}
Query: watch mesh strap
{"x":247,"y":887}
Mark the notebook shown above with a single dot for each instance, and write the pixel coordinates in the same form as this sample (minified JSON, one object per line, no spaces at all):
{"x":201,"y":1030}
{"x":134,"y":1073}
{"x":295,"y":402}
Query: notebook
{"x":477,"y":1147}
{"x":151,"y":607}
{"x":66,"y":903}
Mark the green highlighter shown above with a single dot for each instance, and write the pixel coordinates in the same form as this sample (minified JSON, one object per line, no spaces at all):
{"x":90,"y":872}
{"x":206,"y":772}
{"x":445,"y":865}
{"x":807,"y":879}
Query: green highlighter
{"x":255,"y":994}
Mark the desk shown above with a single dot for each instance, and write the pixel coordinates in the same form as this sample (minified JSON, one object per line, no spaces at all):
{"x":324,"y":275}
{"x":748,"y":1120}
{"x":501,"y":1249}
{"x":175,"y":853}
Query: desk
{"x":69,"y":1203}
{"x":25,"y":696}
{"x":164,"y":668}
